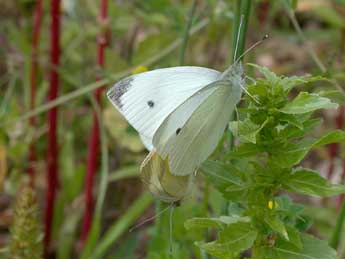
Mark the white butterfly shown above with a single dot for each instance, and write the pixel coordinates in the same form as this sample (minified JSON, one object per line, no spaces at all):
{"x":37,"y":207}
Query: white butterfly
{"x":181,"y":112}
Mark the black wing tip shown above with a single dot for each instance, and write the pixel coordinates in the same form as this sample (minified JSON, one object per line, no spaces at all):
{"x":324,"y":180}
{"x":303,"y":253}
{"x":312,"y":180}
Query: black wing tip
{"x":115,"y":93}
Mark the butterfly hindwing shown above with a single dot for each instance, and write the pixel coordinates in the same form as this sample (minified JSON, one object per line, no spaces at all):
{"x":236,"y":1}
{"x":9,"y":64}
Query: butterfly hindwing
{"x":158,"y":179}
{"x":191,"y":144}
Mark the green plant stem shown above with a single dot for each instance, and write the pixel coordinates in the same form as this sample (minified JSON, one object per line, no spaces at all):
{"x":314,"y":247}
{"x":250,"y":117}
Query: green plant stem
{"x":110,"y":80}
{"x":186,"y":32}
{"x":309,"y":49}
{"x":336,"y":236}
{"x":243,"y":8}
{"x":121,"y":225}
{"x":241,"y":20}
{"x":124,"y":173}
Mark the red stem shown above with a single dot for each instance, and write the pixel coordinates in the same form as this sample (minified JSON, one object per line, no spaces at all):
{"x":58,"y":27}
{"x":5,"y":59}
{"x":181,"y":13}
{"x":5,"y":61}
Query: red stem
{"x":94,"y":140}
{"x":263,"y":12}
{"x":33,"y":82}
{"x":333,"y":148}
{"x":52,"y":149}
{"x":341,"y":124}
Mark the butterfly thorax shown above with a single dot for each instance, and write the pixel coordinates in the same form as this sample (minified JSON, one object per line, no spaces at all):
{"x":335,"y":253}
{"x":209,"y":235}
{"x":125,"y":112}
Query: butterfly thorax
{"x":235,"y":74}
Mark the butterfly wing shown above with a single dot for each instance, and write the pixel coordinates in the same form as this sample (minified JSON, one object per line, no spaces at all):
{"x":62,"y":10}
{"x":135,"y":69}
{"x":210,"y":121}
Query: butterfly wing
{"x":146,"y":99}
{"x":189,"y":146}
{"x":156,"y":176}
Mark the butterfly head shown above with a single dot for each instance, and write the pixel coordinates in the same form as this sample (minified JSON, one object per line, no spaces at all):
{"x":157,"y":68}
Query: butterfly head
{"x":235,"y":74}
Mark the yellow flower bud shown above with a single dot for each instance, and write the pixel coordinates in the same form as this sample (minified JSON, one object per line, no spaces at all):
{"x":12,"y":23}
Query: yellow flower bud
{"x":139,"y":69}
{"x":272,"y":204}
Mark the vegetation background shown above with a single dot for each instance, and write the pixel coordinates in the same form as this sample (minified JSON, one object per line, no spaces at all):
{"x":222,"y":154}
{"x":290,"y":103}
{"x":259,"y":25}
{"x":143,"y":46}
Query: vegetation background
{"x":77,"y":211}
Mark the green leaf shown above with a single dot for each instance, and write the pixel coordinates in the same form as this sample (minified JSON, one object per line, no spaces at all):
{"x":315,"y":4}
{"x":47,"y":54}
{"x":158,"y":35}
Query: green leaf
{"x":244,"y":150}
{"x":293,"y":132}
{"x":292,"y":119}
{"x":294,"y":237}
{"x":246,"y":130}
{"x":292,"y":153}
{"x":306,"y":102}
{"x":277,"y":225}
{"x":234,"y":239}
{"x":221,"y":175}
{"x":268,"y":74}
{"x":227,"y":179}
{"x":312,"y":249}
{"x":290,"y":82}
{"x":306,"y":181}
{"x":335,"y":95}
{"x":219,"y":223}
{"x":335,"y":136}
{"x":204,"y":223}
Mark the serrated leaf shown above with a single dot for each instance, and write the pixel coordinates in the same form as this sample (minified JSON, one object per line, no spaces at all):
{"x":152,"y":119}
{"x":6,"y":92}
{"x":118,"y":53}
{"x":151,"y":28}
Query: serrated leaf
{"x":290,"y":82}
{"x":268,"y":74}
{"x":306,"y":102}
{"x":234,"y":239}
{"x":306,"y":181}
{"x":277,"y":225}
{"x":312,"y":249}
{"x":292,"y":132}
{"x":292,"y":153}
{"x":246,"y":130}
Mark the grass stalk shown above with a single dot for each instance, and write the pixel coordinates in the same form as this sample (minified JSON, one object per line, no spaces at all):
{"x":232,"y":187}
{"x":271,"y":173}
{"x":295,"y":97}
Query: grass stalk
{"x":93,"y":147}
{"x":336,"y":236}
{"x":242,"y":15}
{"x":121,"y":225}
{"x":33,"y":82}
{"x":52,"y":148}
{"x":241,"y":20}
{"x":186,"y":32}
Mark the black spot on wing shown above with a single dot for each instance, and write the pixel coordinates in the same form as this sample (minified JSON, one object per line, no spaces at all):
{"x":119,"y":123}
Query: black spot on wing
{"x":115,"y":93}
{"x":150,"y":104}
{"x":178,"y":131}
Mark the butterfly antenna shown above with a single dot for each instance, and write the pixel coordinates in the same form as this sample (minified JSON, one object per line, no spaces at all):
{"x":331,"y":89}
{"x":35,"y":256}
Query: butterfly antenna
{"x":149,"y":219}
{"x":238,"y":36}
{"x":252,"y":47}
{"x":251,"y":96}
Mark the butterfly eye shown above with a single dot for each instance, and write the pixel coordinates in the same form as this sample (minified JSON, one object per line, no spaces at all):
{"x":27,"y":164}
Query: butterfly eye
{"x":150,"y":104}
{"x":178,"y":131}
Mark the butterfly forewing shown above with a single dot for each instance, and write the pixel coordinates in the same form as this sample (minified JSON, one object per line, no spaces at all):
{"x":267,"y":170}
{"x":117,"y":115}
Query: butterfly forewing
{"x":146,"y":99}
